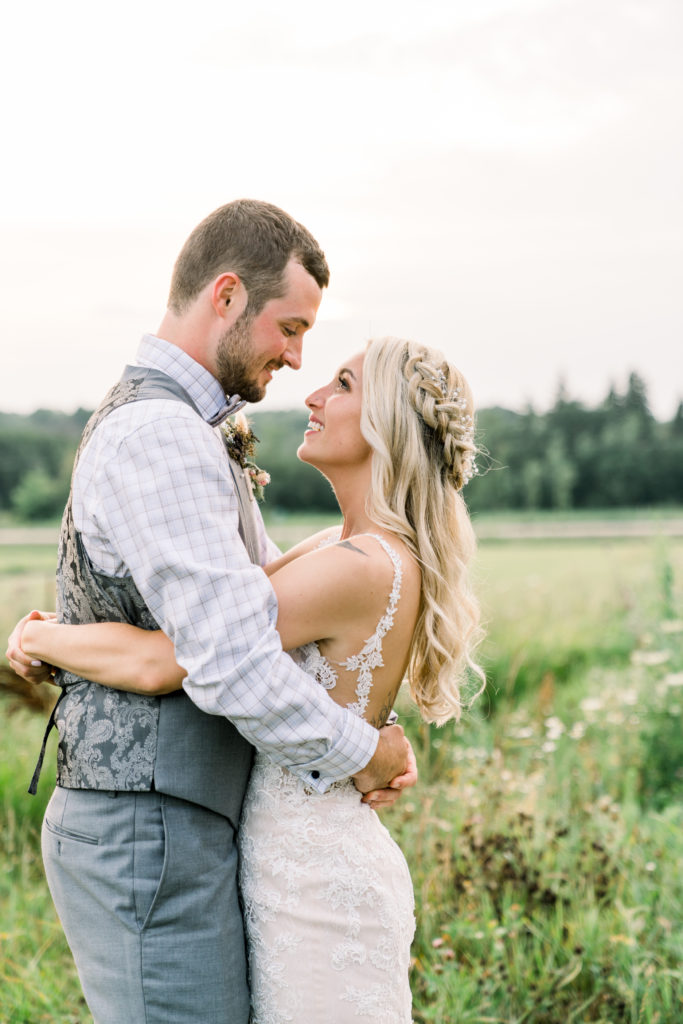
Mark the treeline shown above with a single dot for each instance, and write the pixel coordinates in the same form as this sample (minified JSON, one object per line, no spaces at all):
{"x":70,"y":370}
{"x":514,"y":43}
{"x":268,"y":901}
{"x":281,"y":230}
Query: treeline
{"x":615,"y":454}
{"x":36,"y":456}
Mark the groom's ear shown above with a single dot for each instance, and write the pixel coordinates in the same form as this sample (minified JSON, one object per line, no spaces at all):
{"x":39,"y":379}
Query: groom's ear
{"x":228,"y":296}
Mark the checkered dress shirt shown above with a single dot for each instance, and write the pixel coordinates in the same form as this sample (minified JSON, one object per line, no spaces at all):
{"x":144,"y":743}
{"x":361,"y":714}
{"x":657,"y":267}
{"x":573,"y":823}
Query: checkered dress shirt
{"x":153,"y":498}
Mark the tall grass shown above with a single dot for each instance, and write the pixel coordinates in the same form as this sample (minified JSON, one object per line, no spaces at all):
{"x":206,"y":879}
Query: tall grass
{"x":547,"y":863}
{"x":544,"y":837}
{"x":37,"y":976}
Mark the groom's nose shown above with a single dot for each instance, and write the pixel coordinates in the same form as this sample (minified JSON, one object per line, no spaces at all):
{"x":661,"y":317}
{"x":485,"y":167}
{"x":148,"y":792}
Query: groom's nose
{"x":293,"y":353}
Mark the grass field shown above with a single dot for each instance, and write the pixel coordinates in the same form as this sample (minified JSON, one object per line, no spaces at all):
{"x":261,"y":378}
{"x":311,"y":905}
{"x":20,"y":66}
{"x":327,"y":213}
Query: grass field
{"x":544,"y":837}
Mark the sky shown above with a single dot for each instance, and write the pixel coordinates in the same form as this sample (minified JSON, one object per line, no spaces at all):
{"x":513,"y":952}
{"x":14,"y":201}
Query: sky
{"x":499,"y":178}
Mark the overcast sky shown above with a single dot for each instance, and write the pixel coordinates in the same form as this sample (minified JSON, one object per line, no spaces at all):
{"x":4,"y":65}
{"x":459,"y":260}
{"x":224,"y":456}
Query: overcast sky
{"x":500,"y":178}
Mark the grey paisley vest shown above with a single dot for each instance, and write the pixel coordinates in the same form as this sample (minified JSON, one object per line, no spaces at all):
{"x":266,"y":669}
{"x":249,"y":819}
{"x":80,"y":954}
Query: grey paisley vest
{"x":113,"y":740}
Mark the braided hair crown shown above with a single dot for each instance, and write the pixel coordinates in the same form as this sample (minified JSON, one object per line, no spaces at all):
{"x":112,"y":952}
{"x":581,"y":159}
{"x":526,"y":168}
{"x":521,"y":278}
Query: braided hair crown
{"x":442,"y":399}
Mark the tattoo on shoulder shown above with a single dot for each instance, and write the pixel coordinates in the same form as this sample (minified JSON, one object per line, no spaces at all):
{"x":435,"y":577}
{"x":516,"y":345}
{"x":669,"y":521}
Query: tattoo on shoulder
{"x":352,"y":547}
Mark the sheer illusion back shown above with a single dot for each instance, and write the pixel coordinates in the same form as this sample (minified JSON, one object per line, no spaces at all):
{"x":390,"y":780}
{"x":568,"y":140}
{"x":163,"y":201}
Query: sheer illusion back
{"x":326,"y":671}
{"x":327,"y":896}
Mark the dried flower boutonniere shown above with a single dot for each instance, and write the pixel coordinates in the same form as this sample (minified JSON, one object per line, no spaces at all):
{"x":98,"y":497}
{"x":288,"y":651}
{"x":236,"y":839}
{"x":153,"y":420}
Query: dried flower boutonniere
{"x":241,"y":441}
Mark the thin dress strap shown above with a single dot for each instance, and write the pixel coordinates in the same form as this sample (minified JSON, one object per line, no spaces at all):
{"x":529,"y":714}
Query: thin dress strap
{"x":370,"y":657}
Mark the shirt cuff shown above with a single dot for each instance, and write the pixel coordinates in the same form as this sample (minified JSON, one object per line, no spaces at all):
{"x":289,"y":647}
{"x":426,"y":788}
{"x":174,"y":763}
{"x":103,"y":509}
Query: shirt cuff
{"x":350,"y":755}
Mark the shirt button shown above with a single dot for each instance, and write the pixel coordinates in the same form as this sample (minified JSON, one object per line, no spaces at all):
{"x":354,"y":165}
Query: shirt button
{"x":315,"y":775}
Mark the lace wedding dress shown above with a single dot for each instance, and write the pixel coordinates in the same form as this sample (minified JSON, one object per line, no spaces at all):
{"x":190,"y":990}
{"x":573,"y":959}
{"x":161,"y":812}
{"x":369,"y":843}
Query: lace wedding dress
{"x":327,"y":896}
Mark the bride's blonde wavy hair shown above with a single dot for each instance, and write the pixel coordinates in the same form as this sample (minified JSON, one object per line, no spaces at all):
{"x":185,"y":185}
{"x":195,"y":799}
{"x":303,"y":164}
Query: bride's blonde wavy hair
{"x":418,"y":418}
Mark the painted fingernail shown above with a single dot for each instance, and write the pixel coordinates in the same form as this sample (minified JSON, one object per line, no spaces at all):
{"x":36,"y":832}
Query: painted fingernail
{"x":36,"y":664}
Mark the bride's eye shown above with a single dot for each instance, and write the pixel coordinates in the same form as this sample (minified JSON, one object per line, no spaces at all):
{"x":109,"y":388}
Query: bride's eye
{"x":343,"y":383}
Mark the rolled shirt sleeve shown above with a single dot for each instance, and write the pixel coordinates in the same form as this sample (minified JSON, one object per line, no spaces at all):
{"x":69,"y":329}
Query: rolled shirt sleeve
{"x":154,"y":498}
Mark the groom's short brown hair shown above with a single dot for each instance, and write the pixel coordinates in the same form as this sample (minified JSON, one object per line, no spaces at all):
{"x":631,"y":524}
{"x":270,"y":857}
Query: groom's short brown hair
{"x":256,"y":240}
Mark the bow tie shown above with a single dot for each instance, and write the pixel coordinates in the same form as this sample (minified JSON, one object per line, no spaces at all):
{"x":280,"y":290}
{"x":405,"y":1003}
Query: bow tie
{"x":232,"y":404}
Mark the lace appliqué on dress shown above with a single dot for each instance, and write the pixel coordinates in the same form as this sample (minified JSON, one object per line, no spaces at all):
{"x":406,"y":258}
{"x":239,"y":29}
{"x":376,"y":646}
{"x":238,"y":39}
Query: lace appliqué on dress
{"x":328,"y":905}
{"x":321,"y":668}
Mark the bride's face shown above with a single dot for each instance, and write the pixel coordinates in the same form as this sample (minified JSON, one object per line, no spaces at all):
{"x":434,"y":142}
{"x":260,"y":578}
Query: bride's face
{"x":333,"y":437}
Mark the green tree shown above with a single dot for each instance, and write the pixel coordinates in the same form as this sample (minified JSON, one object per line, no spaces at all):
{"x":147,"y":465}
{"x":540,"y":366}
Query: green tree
{"x":40,"y":496}
{"x":561,"y":474}
{"x":676,"y":428}
{"x":532,"y":477}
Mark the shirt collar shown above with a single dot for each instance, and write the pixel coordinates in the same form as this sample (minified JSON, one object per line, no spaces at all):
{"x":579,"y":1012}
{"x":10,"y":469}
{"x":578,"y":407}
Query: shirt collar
{"x":201,"y":386}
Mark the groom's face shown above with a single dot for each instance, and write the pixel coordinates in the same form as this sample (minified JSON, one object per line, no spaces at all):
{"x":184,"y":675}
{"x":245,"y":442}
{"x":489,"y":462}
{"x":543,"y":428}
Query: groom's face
{"x":254,"y":347}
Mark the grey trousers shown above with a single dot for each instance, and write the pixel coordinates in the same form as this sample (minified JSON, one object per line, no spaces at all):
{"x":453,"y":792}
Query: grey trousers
{"x":145,"y":886}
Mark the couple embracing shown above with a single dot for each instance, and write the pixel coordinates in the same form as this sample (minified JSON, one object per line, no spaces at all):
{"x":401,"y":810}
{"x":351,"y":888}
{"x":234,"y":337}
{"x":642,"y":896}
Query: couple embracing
{"x":166,"y":843}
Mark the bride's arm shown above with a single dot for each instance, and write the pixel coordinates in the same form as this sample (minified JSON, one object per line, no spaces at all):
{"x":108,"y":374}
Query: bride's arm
{"x":112,"y":653}
{"x":321,"y":593}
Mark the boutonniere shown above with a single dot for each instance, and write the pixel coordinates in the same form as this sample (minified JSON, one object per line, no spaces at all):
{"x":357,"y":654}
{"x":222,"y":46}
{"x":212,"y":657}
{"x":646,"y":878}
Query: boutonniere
{"x":241,"y":441}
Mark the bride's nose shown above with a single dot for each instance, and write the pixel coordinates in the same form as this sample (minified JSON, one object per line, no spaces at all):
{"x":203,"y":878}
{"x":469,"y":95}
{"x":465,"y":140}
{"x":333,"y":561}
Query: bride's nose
{"x":315,"y":399}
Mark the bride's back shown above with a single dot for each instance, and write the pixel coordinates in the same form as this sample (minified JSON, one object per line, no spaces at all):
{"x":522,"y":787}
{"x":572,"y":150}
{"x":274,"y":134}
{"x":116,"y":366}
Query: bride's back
{"x":364,"y":665}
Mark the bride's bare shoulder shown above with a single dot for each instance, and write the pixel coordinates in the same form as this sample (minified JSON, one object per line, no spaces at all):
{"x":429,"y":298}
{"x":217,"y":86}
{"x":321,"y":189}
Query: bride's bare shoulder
{"x":375,"y":544}
{"x":304,"y":547}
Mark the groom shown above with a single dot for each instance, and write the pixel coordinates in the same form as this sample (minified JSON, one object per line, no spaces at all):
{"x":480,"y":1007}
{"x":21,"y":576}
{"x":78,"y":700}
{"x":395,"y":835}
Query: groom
{"x":139,"y":835}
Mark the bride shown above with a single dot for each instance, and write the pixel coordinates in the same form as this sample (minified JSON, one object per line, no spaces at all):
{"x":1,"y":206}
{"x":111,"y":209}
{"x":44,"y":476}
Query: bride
{"x":326,"y":893}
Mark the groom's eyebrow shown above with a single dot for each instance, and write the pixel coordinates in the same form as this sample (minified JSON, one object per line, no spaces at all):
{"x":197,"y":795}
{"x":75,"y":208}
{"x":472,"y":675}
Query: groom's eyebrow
{"x":297,"y":320}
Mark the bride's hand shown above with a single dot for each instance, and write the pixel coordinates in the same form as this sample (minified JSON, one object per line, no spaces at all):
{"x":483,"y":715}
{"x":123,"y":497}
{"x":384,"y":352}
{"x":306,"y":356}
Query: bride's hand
{"x":380,"y":798}
{"x":30,"y":669}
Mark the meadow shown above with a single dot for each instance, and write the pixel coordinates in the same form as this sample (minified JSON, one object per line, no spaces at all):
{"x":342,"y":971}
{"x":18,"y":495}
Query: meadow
{"x":544,"y":837}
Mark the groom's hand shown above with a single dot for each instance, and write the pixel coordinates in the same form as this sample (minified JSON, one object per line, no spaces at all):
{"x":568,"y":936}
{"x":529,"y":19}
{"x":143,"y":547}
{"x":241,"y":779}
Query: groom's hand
{"x":379,"y":798}
{"x":389,"y":762}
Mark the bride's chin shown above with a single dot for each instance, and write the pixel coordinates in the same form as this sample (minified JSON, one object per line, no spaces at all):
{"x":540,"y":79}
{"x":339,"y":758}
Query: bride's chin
{"x":303,"y":454}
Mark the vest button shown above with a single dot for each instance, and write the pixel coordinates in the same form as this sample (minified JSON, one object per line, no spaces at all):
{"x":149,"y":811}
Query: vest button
{"x":315,"y":775}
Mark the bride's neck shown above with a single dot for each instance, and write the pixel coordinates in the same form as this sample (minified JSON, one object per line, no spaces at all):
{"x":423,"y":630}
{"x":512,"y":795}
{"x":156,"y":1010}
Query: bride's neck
{"x":351,"y":492}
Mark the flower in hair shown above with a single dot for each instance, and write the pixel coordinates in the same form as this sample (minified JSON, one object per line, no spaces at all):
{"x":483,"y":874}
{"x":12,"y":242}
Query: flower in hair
{"x":465,"y":422}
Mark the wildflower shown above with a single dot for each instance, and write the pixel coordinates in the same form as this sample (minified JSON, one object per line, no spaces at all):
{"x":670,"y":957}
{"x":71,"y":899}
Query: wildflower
{"x":650,"y":658}
{"x":554,"y":727}
{"x":626,"y":940}
{"x":524,"y":733}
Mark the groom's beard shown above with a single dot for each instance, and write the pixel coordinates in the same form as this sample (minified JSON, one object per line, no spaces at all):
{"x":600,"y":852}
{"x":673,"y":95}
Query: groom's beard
{"x":235,"y":371}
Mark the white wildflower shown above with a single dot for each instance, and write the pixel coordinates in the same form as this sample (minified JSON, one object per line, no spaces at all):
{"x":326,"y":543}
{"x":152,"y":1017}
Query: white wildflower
{"x":650,"y":658}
